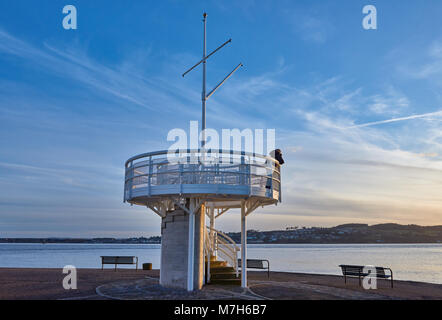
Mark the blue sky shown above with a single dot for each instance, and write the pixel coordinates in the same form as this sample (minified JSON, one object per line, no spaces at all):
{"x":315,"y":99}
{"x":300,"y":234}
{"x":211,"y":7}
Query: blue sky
{"x":357,"y":112}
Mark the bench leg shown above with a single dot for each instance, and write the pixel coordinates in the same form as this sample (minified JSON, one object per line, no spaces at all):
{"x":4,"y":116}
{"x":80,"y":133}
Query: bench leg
{"x":115,"y":267}
{"x":102,"y":266}
{"x":345,"y":279}
{"x":359,"y":279}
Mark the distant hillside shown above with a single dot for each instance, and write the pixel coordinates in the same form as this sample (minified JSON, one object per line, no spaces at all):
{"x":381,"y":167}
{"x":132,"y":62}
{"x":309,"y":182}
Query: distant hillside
{"x":345,"y":233}
{"x":141,"y":240}
{"x":348,"y":233}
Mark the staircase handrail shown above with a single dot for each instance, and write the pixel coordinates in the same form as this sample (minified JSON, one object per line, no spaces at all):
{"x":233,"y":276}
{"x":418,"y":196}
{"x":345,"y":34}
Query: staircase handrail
{"x":225,"y":236}
{"x":226,"y":246}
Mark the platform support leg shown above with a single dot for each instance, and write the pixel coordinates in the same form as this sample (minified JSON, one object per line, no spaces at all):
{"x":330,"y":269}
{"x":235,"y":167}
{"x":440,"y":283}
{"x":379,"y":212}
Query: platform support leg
{"x":243,"y":245}
{"x":191,"y":246}
{"x":212,"y":226}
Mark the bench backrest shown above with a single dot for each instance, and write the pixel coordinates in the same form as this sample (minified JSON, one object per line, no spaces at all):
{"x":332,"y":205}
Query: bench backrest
{"x":351,"y":270}
{"x":118,"y":260}
{"x":380,"y":271}
{"x":254,"y":263}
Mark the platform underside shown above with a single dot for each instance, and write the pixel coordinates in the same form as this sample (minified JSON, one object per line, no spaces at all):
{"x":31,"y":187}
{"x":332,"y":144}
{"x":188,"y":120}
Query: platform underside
{"x":217,"y":202}
{"x":218,"y":196}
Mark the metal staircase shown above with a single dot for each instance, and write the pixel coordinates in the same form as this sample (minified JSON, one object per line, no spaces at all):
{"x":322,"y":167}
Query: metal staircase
{"x":221,"y":257}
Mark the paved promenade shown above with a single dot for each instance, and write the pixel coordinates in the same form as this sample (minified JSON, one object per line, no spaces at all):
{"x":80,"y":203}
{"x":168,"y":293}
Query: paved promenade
{"x":130,"y":284}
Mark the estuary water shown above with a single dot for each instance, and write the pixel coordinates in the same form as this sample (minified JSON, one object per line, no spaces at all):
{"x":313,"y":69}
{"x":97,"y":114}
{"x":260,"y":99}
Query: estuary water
{"x":416,"y":262}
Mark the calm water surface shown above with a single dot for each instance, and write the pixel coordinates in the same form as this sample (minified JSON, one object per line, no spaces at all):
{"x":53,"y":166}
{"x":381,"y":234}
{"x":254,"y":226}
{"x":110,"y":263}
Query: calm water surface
{"x":418,"y":262}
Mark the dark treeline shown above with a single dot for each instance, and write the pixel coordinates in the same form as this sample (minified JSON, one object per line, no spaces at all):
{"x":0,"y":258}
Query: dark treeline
{"x":346,"y":233}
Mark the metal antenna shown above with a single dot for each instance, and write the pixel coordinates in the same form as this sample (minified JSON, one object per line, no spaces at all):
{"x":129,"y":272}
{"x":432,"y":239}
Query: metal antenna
{"x":203,"y":95}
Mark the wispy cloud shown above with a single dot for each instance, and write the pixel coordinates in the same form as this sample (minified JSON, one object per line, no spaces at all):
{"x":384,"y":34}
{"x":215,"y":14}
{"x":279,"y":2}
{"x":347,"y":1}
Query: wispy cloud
{"x":65,"y":174}
{"x":126,"y":84}
{"x":312,"y":29}
{"x":392,"y":102}
{"x":425,"y":64}
{"x":416,"y":116}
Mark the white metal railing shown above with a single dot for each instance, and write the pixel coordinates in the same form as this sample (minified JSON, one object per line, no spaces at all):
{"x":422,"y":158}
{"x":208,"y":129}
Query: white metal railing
{"x":204,"y":167}
{"x":208,"y":247}
{"x":222,"y":246}
{"x":207,"y":253}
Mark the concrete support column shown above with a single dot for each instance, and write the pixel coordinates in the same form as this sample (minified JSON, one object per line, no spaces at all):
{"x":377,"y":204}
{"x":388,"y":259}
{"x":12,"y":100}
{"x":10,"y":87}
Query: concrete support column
{"x":174,"y":244}
{"x":176,"y":270}
{"x":243,"y":245}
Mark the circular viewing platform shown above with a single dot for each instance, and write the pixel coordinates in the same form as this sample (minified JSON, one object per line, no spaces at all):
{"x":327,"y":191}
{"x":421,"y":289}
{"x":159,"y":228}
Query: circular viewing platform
{"x":223,"y":177}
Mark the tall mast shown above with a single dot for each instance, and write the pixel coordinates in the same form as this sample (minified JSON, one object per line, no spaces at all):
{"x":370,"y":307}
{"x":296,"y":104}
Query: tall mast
{"x":205,"y":96}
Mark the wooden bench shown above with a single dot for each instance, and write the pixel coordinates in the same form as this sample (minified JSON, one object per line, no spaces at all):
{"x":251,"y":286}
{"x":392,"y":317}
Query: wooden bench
{"x":118,"y":260}
{"x":358,"y":271}
{"x":257,"y":264}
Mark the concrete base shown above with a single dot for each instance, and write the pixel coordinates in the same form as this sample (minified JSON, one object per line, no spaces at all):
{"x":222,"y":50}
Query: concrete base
{"x":174,"y":249}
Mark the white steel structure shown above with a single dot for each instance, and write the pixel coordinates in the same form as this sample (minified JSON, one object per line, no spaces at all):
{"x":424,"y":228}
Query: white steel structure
{"x":211,"y":181}
{"x":201,"y":183}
